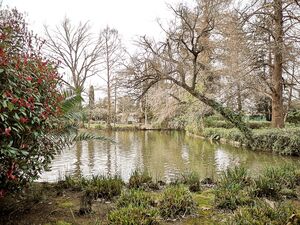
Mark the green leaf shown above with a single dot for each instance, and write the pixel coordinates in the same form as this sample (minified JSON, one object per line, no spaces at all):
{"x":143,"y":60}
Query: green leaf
{"x":10,"y":106}
{"x":23,"y":152}
{"x":88,"y":136}
{"x":16,"y":116}
{"x":1,"y":70}
{"x":4,"y":103}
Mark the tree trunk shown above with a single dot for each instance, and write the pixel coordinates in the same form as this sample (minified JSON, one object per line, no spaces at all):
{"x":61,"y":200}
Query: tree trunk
{"x":108,"y":91}
{"x":115,"y":105}
{"x":235,"y":118}
{"x":108,"y":107}
{"x":277,"y":80}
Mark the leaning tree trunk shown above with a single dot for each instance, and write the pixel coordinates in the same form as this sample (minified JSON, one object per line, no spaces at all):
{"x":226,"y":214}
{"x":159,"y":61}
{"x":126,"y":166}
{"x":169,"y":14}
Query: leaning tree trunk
{"x":231,"y":116}
{"x":277,"y":80}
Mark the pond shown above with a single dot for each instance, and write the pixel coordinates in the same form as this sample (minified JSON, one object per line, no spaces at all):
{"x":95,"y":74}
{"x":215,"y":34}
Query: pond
{"x":164,"y":154}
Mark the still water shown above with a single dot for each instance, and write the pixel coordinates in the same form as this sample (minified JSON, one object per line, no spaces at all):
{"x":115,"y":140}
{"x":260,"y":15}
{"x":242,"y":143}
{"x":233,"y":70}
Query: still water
{"x":164,"y":154}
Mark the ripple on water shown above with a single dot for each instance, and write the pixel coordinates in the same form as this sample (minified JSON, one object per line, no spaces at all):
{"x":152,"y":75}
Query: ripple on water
{"x":165,"y":155}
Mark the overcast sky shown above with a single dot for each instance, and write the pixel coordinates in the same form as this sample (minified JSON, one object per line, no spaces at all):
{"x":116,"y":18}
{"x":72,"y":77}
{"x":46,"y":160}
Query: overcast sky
{"x":131,"y":17}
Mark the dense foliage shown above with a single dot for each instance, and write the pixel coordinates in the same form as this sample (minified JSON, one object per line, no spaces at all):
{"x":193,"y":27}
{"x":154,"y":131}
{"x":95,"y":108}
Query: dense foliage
{"x":29,"y":100}
{"x":282,"y":141}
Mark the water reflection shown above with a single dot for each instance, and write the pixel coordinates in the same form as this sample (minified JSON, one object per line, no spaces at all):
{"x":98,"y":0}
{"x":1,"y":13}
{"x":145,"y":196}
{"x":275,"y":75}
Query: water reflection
{"x":164,"y":154}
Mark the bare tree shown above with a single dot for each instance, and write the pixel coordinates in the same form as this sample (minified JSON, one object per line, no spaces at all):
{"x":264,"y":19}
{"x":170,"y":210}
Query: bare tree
{"x":112,"y":55}
{"x":77,"y":49}
{"x":180,"y":59}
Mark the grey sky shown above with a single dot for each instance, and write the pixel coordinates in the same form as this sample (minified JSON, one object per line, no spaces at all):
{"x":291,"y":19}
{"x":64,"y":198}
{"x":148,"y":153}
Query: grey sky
{"x":131,"y":17}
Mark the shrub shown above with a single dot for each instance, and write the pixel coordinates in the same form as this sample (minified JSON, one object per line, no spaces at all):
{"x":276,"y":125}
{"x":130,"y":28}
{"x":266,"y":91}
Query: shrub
{"x":105,"y":187}
{"x":275,"y":182}
{"x":29,"y":102}
{"x":136,"y":198}
{"x":212,"y":122}
{"x":176,"y":202}
{"x":262,"y":213}
{"x":230,"y":192}
{"x":139,"y":179}
{"x":294,"y":116}
{"x":133,"y":216}
{"x":283,"y":141}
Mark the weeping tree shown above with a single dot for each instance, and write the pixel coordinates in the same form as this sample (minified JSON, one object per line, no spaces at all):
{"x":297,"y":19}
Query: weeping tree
{"x":183,"y":59}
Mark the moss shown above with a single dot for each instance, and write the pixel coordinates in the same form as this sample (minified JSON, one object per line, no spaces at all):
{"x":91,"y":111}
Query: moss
{"x":205,"y":199}
{"x":66,"y":204}
{"x":61,"y":222}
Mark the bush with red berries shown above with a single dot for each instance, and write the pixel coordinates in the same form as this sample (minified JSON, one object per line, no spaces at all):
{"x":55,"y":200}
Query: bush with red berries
{"x":29,"y":103}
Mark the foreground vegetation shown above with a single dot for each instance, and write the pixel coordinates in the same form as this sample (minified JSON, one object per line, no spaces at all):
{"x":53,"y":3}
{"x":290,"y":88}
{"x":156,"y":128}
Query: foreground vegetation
{"x":235,"y":198}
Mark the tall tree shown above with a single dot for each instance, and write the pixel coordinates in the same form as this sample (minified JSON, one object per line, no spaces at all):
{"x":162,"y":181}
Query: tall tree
{"x":273,"y":27}
{"x":77,"y":49}
{"x":112,"y":54}
{"x":179,"y":59}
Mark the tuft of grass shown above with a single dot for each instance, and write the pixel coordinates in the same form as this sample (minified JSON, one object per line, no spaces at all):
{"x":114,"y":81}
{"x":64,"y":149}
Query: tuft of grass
{"x":133,"y":216}
{"x":105,"y":187}
{"x":190,"y":179}
{"x":230,"y":193}
{"x":136,"y":198}
{"x":140,"y":179}
{"x":275,"y":182}
{"x":177,"y":201}
{"x":262,"y":213}
{"x":236,"y":176}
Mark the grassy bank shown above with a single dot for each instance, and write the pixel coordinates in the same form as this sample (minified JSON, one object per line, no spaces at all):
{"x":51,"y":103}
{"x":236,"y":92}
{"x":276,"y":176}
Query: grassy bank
{"x":236,"y":198}
{"x":282,"y":141}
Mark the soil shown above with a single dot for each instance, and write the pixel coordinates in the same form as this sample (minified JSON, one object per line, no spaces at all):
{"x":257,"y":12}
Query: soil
{"x":46,"y":204}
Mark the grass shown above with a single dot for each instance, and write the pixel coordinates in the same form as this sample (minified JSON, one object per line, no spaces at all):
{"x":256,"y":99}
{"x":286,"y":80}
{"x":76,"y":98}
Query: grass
{"x":140,"y":179}
{"x":137,"y":198}
{"x":243,"y":199}
{"x":262,"y":213}
{"x":176,"y":202}
{"x":191,"y":179}
{"x":133,"y":216}
{"x":282,"y":141}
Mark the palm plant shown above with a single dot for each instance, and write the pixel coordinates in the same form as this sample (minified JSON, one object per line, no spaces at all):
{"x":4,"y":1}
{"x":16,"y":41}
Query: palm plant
{"x":68,"y":124}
